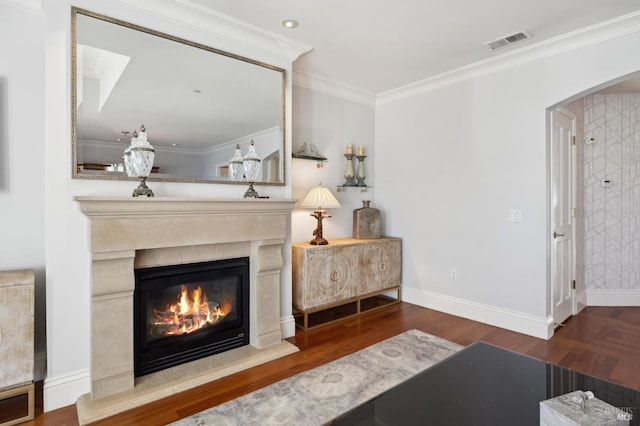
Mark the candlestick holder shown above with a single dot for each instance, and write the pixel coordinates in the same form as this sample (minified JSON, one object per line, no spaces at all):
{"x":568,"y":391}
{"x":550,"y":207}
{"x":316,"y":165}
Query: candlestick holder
{"x":349,"y":174}
{"x":360,"y":172}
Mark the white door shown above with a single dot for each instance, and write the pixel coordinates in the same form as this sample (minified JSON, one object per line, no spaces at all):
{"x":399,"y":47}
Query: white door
{"x":562,"y":210}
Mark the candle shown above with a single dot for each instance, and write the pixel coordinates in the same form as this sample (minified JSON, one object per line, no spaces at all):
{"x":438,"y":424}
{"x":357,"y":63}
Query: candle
{"x":350,"y":148}
{"x":360,"y":150}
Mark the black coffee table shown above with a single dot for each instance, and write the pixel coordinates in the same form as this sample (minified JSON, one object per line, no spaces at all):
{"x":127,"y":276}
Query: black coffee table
{"x":484,"y":385}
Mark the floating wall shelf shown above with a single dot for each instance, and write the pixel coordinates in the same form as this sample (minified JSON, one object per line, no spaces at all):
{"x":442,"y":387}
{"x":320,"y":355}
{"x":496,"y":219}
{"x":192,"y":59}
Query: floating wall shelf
{"x":343,"y":187}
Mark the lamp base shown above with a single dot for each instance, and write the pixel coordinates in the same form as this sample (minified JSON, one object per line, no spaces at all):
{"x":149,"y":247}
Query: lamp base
{"x":142,"y":189}
{"x":319,"y":241}
{"x":251,"y":192}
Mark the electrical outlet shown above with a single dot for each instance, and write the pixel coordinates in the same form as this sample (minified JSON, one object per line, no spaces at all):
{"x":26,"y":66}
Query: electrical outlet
{"x":453,"y":274}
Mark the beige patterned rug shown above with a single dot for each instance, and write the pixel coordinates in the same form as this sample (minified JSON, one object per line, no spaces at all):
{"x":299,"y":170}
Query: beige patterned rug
{"x":319,"y":395}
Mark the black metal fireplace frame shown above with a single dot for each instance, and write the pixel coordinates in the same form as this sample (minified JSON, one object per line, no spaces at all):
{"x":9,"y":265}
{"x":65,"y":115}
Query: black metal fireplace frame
{"x":149,"y":358}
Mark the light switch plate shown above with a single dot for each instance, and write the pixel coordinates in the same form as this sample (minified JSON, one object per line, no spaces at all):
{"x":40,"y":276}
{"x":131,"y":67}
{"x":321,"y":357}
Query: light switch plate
{"x":515,"y":216}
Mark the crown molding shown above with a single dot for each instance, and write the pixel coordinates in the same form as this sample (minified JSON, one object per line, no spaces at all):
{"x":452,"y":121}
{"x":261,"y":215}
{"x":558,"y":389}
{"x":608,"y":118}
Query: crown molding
{"x":257,"y":136}
{"x":233,"y":31}
{"x":332,"y":88}
{"x":584,"y":37}
{"x":32,"y":5}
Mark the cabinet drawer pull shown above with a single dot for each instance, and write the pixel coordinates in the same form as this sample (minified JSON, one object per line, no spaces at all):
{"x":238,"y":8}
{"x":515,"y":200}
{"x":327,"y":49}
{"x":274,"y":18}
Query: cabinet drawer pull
{"x":335,"y":275}
{"x":382,"y":266}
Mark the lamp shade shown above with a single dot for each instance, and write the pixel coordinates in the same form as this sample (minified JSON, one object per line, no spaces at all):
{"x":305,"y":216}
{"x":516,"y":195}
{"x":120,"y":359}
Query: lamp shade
{"x":320,"y":198}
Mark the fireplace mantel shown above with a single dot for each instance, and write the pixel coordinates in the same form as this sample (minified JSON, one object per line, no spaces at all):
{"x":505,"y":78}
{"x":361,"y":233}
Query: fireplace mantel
{"x":127,"y":233}
{"x":167,"y":206}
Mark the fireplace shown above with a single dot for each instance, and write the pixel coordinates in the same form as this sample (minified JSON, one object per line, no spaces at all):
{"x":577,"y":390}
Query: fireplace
{"x":179,"y":231}
{"x":187,"y":312}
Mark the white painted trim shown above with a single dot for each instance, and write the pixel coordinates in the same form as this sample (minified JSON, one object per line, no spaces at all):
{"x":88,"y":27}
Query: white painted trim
{"x":328,"y":87}
{"x":32,"y":5}
{"x":288,"y":326}
{"x":62,"y":391}
{"x":613,"y":298}
{"x":598,"y":33}
{"x":580,"y":301}
{"x":519,"y":322}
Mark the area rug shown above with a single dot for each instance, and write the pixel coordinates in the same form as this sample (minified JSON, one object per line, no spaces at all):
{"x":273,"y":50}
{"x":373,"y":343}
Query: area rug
{"x":319,"y":395}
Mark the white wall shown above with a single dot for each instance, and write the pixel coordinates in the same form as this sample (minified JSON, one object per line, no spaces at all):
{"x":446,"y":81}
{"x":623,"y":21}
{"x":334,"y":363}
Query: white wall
{"x":330,"y":123}
{"x":453,"y":156}
{"x":22,"y":75}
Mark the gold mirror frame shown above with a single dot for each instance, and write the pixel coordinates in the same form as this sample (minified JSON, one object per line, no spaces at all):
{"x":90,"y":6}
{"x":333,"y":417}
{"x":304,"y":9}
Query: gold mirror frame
{"x":276,"y":157}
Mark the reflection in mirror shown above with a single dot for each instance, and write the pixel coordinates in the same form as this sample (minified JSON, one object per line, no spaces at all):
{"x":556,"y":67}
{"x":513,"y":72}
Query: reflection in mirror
{"x":196,"y":103}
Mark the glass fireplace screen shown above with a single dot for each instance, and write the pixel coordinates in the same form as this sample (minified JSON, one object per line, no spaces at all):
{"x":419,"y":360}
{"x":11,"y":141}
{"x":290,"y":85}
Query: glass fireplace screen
{"x":186,"y":312}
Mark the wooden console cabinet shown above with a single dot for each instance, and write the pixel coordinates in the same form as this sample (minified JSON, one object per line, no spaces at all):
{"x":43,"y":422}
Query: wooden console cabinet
{"x":346,"y":277}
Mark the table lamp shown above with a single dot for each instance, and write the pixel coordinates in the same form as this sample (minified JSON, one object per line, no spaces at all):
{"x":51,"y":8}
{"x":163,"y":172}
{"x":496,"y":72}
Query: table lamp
{"x":319,"y":198}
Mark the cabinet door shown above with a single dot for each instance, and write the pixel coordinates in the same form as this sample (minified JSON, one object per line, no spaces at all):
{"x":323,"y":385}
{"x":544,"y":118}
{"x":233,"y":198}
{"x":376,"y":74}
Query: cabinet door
{"x":16,"y":335}
{"x":380,"y":265}
{"x":330,"y":276}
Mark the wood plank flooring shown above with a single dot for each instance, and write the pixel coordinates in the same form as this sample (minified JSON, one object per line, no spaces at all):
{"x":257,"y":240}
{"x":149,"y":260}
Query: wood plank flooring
{"x":600,"y":341}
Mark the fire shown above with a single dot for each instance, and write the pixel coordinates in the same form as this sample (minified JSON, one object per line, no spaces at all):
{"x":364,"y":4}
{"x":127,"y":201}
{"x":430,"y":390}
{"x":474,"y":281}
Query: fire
{"x":192,"y":312}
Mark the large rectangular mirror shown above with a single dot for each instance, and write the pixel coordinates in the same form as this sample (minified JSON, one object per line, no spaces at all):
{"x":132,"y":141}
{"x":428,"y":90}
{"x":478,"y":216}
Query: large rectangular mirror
{"x":196,"y":102}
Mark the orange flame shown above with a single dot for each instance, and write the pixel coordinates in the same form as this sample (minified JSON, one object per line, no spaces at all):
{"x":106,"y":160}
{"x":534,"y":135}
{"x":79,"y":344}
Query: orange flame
{"x":191,"y":313}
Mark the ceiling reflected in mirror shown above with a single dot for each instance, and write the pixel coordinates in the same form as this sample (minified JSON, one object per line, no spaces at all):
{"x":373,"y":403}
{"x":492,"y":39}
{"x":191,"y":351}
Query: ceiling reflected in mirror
{"x":196,"y":102}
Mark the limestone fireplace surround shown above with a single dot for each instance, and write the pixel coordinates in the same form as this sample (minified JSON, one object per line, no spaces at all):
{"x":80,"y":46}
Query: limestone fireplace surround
{"x":128,"y":233}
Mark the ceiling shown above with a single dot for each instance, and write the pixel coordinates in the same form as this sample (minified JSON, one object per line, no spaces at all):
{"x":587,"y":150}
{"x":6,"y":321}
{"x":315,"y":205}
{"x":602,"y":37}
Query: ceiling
{"x":375,"y":46}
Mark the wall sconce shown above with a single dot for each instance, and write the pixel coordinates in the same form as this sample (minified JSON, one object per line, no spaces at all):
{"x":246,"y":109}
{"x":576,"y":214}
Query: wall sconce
{"x":319,"y":198}
{"x":138,"y":161}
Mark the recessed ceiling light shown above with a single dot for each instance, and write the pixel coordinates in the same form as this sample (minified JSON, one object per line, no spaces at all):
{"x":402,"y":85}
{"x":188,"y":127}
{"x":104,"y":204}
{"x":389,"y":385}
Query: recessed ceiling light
{"x":290,"y":23}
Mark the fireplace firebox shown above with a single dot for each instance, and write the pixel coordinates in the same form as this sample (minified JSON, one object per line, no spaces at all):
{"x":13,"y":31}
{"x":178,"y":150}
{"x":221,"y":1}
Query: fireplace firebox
{"x":189,"y":311}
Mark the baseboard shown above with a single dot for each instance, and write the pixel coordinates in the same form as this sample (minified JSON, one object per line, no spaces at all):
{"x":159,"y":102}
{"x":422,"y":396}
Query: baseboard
{"x":613,"y":298}
{"x":531,"y":325}
{"x":64,"y":390}
{"x":580,"y":301}
{"x":288,"y":326}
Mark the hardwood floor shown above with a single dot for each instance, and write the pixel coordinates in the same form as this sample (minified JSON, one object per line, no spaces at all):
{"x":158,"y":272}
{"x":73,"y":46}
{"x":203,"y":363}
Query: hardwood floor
{"x":600,"y":341}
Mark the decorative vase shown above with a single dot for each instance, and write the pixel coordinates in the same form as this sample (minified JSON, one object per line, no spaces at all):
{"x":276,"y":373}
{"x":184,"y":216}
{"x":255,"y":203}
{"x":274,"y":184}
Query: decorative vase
{"x":366,"y":222}
{"x":236,"y":168}
{"x":138,"y":161}
{"x":251,"y":164}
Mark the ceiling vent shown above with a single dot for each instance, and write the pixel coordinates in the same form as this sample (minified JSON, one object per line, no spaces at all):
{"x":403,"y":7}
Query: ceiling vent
{"x":505,"y":41}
